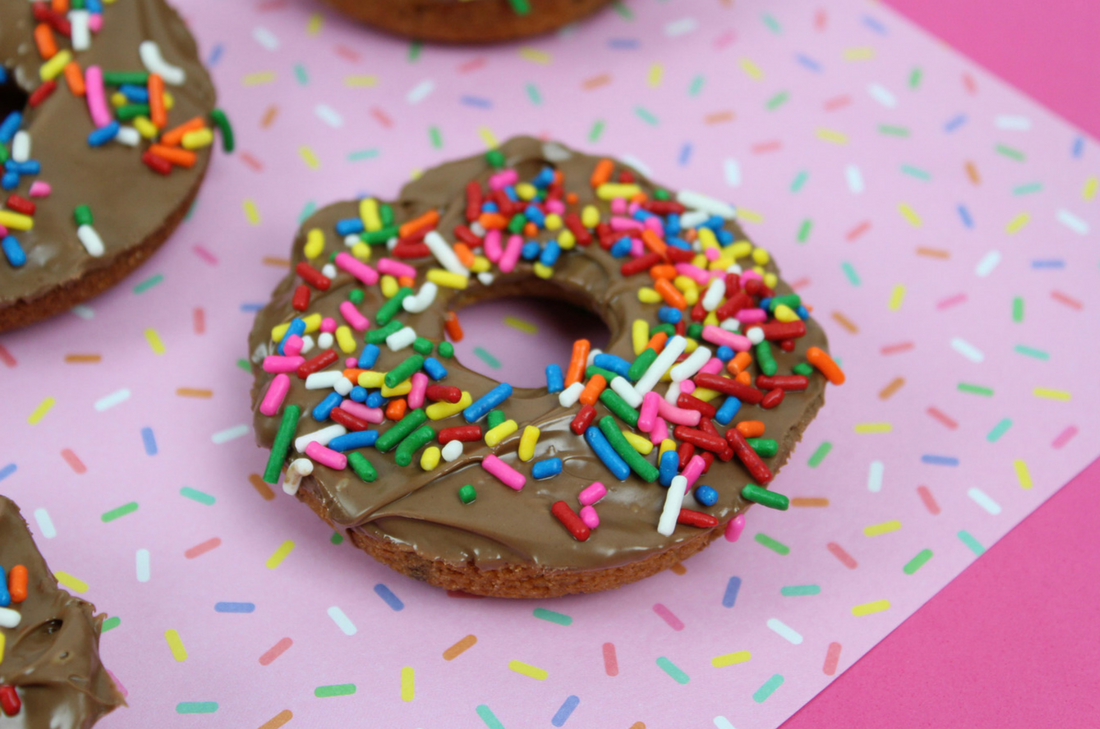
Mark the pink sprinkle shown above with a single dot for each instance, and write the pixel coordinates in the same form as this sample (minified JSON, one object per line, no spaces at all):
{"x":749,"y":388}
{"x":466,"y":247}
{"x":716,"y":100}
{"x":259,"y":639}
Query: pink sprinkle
{"x":591,"y":494}
{"x":734,"y":528}
{"x":589,"y":516}
{"x":620,"y":224}
{"x":501,"y":180}
{"x":359,"y":410}
{"x":647,"y":416}
{"x":673,"y":414}
{"x":1065,"y":436}
{"x":655,"y":225}
{"x":555,"y":206}
{"x":751,"y":316}
{"x":293,"y":346}
{"x":96,"y":96}
{"x":357,"y":268}
{"x":40,"y":189}
{"x":745,"y":275}
{"x":351,"y":362}
{"x":719,"y":336}
{"x":275,"y":651}
{"x":396,"y":268}
{"x":712,"y":254}
{"x":507,"y":475}
{"x":353,"y":316}
{"x":201,"y":252}
{"x":660,"y":432}
{"x":493,"y":251}
{"x":95,"y":22}
{"x":416,"y":394}
{"x":511,"y":254}
{"x":326,"y":456}
{"x":694,"y":469}
{"x":687,"y":387}
{"x":693,"y":272}
{"x":618,"y":206}
{"x":633,"y":208}
{"x":712,"y":367}
{"x":950,"y":301}
{"x":667,"y":616}
{"x":275,"y":363}
{"x":3,"y":231}
{"x":328,"y":324}
{"x":637,"y":248}
{"x":276,"y":391}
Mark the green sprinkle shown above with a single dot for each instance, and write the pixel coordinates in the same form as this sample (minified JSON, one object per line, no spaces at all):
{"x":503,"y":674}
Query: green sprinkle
{"x":673,"y":670}
{"x":423,"y":345}
{"x":772,"y":544}
{"x":594,"y":370}
{"x":405,"y":370}
{"x":279,"y":448}
{"x":641,"y":364}
{"x":975,"y":389}
{"x":790,"y":300}
{"x":646,"y":115}
{"x":915,"y":77}
{"x":534,"y":95}
{"x":336,"y":537}
{"x":772,"y":23}
{"x":696,"y":85}
{"x":805,"y":229}
{"x":123,"y":78}
{"x":998,"y":430}
{"x":495,"y":159}
{"x":762,"y":496}
{"x":83,"y":215}
{"x":243,"y":364}
{"x":362,"y":154}
{"x":196,"y":495}
{"x":893,"y":131}
{"x":777,"y":101}
{"x":148,"y":283}
{"x":764,"y":447}
{"x":109,"y":516}
{"x":1010,"y":152}
{"x":131,"y":111}
{"x":850,"y":272}
{"x":111,"y":623}
{"x":803,"y":368}
{"x":377,"y":336}
{"x":764,"y":359}
{"x":414,"y":51}
{"x":196,"y":707}
{"x":596,"y":130}
{"x":1028,"y":189}
{"x":1018,"y":309}
{"x":385,"y":212}
{"x":615,"y":403}
{"x":661,"y":194}
{"x":799,"y":180}
{"x":694,"y":330}
{"x":468,"y":494}
{"x":917,"y":562}
{"x":363,"y":468}
{"x":446,"y":350}
{"x":487,"y":716}
{"x":969,"y":540}
{"x":799,"y":590}
{"x":436,"y":136}
{"x":637,"y":462}
{"x":668,"y":329}
{"x":409,"y":446}
{"x":400,"y":430}
{"x":356,"y":296}
{"x":301,"y":74}
{"x":623,"y":10}
{"x":1029,"y":352}
{"x":307,"y":210}
{"x":380,"y":236}
{"x":495,"y":418}
{"x":487,"y":358}
{"x":515,"y":225}
{"x":819,"y":455}
{"x":3,"y":154}
{"x":340,"y":689}
{"x":553,"y":617}
{"x":391,"y":308}
{"x":521,"y":7}
{"x":767,"y":689}
{"x":916,"y":172}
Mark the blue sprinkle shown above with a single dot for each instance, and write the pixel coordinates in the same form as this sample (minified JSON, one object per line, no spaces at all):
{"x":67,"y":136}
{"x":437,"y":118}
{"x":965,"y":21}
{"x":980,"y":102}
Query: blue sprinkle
{"x":669,"y":315}
{"x":358,"y":394}
{"x":10,"y":180}
{"x":489,"y":207}
{"x":565,"y":711}
{"x":104,"y":134}
{"x":353,"y":440}
{"x":954,"y":123}
{"x":511,"y":194}
{"x":5,"y":596}
{"x":1079,"y":146}
{"x":597,"y":441}
{"x":13,"y":251}
{"x":375,"y":400}
{"x":350,"y":226}
{"x":669,"y":466}
{"x":672,"y":225}
{"x":487,"y":402}
{"x":706,"y":496}
{"x":530,"y":250}
{"x":215,"y":55}
{"x":724,"y":353}
{"x":369,"y":356}
{"x":135,"y":94}
{"x":7,"y":471}
{"x":685,"y":154}
{"x":612,"y":362}
{"x":939,"y":460}
{"x":724,"y":237}
{"x":297,"y":326}
{"x":728,"y":410}
{"x":732,"y":588}
{"x":30,"y":167}
{"x":621,"y":247}
{"x":535,"y":216}
{"x":150,"y":441}
{"x":324,"y":408}
{"x":874,"y":24}
{"x":544,"y":178}
{"x":435,"y":368}
{"x":477,"y":101}
{"x":10,"y":126}
{"x":248,"y":307}
{"x":623,"y":43}
{"x":678,"y":243}
{"x":1048,"y":263}
{"x":546,"y":468}
{"x":802,"y":312}
{"x":808,"y":62}
{"x":555,"y":381}
{"x":550,"y":253}
{"x":964,"y":213}
{"x":234,"y":607}
{"x":387,"y":595}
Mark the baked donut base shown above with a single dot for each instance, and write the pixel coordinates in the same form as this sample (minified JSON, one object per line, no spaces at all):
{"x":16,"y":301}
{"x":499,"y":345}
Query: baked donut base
{"x":531,"y":580}
{"x":485,"y":21}
{"x":65,"y":296}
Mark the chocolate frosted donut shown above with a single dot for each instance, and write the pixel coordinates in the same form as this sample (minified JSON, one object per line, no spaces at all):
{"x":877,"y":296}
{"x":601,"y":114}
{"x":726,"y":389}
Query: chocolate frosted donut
{"x":355,"y":339}
{"x":106,"y":121}
{"x":50,"y":674}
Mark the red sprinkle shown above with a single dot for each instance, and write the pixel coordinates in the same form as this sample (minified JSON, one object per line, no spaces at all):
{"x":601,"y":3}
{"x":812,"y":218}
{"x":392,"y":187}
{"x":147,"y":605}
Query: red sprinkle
{"x":157,"y":164}
{"x":571,"y":521}
{"x":679,"y":255}
{"x":9,"y":700}
{"x":641,"y":263}
{"x":464,"y":433}
{"x":467,"y":236}
{"x":696,"y":519}
{"x":435,"y":393}
{"x":684,"y":453}
{"x":473,"y":200}
{"x":54,"y":19}
{"x":690,"y":402}
{"x":783,"y":330}
{"x":453,"y":327}
{"x":783,"y":382}
{"x":317,"y":363}
{"x":706,"y":441}
{"x":698,"y":313}
{"x":20,"y":205}
{"x":787,"y":345}
{"x":773,"y":398}
{"x":583,"y":420}
{"x":411,"y":250}
{"x":349,"y":421}
{"x":759,"y":470}
{"x":301,"y":298}
{"x":734,"y":304}
{"x":743,"y":392}
{"x":576,"y":227}
{"x":708,"y":460}
{"x":42,"y":93}
{"x":312,"y":276}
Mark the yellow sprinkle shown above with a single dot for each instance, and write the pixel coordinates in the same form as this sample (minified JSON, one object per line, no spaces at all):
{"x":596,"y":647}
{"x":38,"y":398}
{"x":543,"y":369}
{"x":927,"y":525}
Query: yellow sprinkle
{"x":749,"y":216}
{"x":313,"y":27}
{"x":197,"y":139}
{"x":590,"y":216}
{"x":527,"y":669}
{"x":52,"y":68}
{"x":40,"y":411}
{"x":1047,"y":394}
{"x":526,"y":191}
{"x":527,"y":443}
{"x":280,"y":554}
{"x":315,"y":243}
{"x":250,"y":211}
{"x":360,"y":80}
{"x":446,"y":279}
{"x":860,"y":53}
{"x":553,"y":222}
{"x":523,"y":326}
{"x":408,"y":678}
{"x":910,"y":214}
{"x":403,"y":388}
{"x":656,"y":72}
{"x":700,"y":260}
{"x":145,"y":126}
{"x":751,"y":69}
{"x":260,"y":77}
{"x":440,"y":410}
{"x":1091,"y":185}
{"x":119,"y":99}
{"x":785,"y":313}
{"x":309,"y":157}
{"x":730,"y":659}
{"x":535,"y":56}
{"x":884,"y":528}
{"x":761,"y":256}
{"x":312,"y":322}
{"x":566,"y":239}
{"x":371,"y":379}
{"x":720,"y":264}
{"x":832,"y":136}
{"x":1023,"y":475}
{"x":712,"y":318}
{"x":639,"y":335}
{"x":871,"y":607}
{"x":494,"y":436}
{"x":368,"y":213}
{"x":2,"y":641}
{"x":278,"y":331}
{"x":1018,"y":222}
{"x":429,"y":459}
{"x":169,"y":100}
{"x":175,"y":644}
{"x":638,"y":443}
{"x":153,"y":338}
{"x":361,"y":251}
{"x":481,"y":264}
{"x":704,"y":394}
{"x":668,"y":444}
{"x":874,"y":427}
{"x":346,"y":339}
{"x":896,"y":297}
{"x":488,"y":137}
{"x":740,"y":249}
{"x":612,"y":190}
{"x":542,"y":271}
{"x":389,"y":286}
{"x":691,"y":346}
{"x":647,"y":295}
{"x":73,"y":583}
{"x":16,"y":221}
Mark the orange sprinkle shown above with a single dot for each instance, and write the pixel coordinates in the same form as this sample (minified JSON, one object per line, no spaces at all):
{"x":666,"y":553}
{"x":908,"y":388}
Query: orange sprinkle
{"x":82,"y":358}
{"x":738,"y":364}
{"x":59,"y":6}
{"x":174,"y":136}
{"x":178,"y":157}
{"x":453,"y":327}
{"x":571,"y":198}
{"x":744,"y":377}
{"x":530,"y":229}
{"x":43,"y":38}
{"x":663,"y":270}
{"x":194,"y":392}
{"x":670,"y":293}
{"x":427,"y":220}
{"x":820,"y":359}
{"x":602,"y":172}
{"x":653,"y":242}
{"x":465,"y":255}
{"x":639,"y":197}
{"x":689,"y":235}
{"x":809,"y":501}
{"x":352,"y":374}
{"x":17,"y":583}
{"x":492,"y":221}
{"x":406,"y":281}
{"x":751,"y":428}
{"x":657,"y":342}
{"x":262,"y":488}
{"x":591,"y":393}
{"x":157,"y":113}
{"x":578,"y":362}
{"x":396,"y":409}
{"x":74,"y":77}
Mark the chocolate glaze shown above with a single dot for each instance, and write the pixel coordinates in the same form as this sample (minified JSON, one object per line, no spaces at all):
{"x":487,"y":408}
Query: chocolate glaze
{"x":129,"y":201}
{"x":52,"y":657}
{"x":422,"y":509}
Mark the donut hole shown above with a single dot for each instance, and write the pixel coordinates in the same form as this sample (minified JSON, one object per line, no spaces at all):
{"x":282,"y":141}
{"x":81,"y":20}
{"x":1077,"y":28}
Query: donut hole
{"x":12,"y":95}
{"x":512,"y":339}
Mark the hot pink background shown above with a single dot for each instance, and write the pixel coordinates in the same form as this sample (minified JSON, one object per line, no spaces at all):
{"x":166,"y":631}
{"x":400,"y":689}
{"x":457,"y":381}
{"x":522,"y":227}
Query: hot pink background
{"x":1032,"y":661}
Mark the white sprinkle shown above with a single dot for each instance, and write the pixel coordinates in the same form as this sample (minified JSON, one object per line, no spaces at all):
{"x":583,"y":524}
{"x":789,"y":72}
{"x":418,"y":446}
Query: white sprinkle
{"x":391,"y":243}
{"x":477,"y":229}
{"x":626,"y":391}
{"x":329,"y":271}
{"x":1012,"y":122}
{"x":422,"y":300}
{"x":882,"y":96}
{"x":672,"y":394}
{"x":730,"y":325}
{"x":445,"y":254}
{"x":420,"y":92}
{"x":21,"y":146}
{"x":329,"y":115}
{"x":307,"y":343}
{"x":343,"y":386}
{"x":874,"y":477}
{"x":9,"y":618}
{"x":109,"y":401}
{"x":966,"y":349}
{"x":732,"y":171}
{"x":403,"y":337}
{"x":983,"y":500}
{"x":714,"y":295}
{"x":693,"y":363}
{"x":592,"y":356}
{"x":674,"y":500}
{"x":785,"y":630}
{"x":673,"y":349}
{"x":681,"y":27}
{"x":855,"y":179}
{"x":322,"y":436}
{"x":988,"y":263}
{"x":699,"y":201}
{"x":342,"y":621}
{"x":323,"y":380}
{"x":486,"y":278}
{"x":143,"y":568}
{"x":80,"y":32}
{"x":45,"y":523}
{"x":84,"y":312}
{"x":265,"y":38}
{"x":693,"y":218}
{"x":637,"y":164}
{"x":155,"y":63}
{"x":568,"y":397}
{"x":722,"y":722}
{"x":452,"y":451}
{"x":755,"y":335}
{"x":351,"y":240}
{"x":129,"y":136}
{"x":298,"y":468}
{"x":1073,"y":222}
{"x":224,"y":436}
{"x":324,"y":340}
{"x":91,"y":240}
{"x":554,"y":152}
